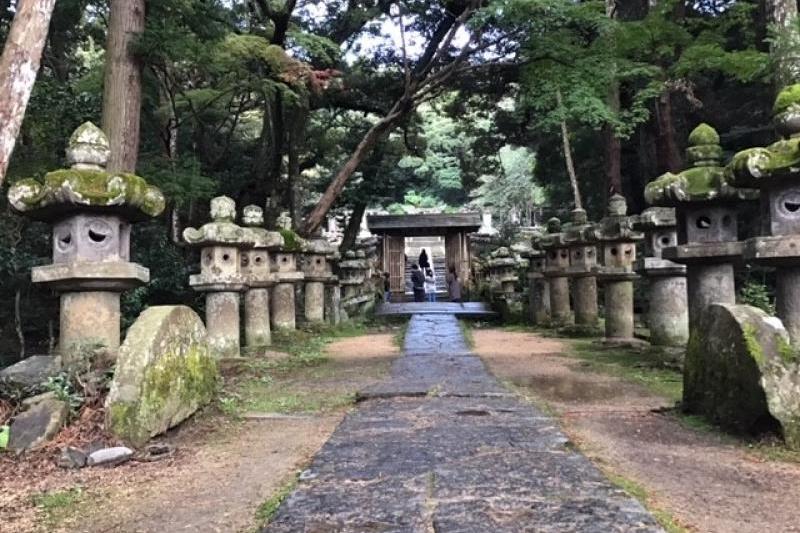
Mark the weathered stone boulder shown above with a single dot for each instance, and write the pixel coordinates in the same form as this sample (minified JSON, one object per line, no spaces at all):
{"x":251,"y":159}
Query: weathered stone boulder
{"x":37,"y":425}
{"x":164,"y":373}
{"x":31,"y":372}
{"x":741,"y":371}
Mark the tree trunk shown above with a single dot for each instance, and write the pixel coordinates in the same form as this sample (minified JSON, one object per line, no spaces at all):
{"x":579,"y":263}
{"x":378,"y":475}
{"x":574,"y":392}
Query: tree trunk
{"x":669,"y":155}
{"x":353,"y":227}
{"x":122,"y":94}
{"x":18,"y":324}
{"x":573,"y":177}
{"x":370,"y":139}
{"x":782,"y":15}
{"x":611,"y":143}
{"x":18,"y":68}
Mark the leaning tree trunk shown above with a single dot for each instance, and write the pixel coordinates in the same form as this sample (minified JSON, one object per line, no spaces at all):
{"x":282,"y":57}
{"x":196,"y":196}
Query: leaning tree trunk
{"x":18,"y":68}
{"x":353,"y":227}
{"x":573,"y":176}
{"x":122,"y":95}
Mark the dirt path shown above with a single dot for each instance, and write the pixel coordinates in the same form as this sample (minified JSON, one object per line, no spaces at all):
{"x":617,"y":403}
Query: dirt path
{"x":223,"y":470}
{"x":706,"y":482}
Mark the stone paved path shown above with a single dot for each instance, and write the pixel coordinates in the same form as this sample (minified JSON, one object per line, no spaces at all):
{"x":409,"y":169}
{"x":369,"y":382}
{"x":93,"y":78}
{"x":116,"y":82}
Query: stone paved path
{"x":443,"y":447}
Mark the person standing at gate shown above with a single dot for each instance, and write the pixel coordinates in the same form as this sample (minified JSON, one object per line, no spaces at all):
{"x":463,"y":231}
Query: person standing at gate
{"x":418,"y":283}
{"x":423,"y":260}
{"x":454,"y":286}
{"x":387,"y":288}
{"x":430,"y":285}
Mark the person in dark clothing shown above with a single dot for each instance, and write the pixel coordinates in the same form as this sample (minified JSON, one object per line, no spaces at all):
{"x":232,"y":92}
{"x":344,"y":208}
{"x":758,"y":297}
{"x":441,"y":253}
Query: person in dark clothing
{"x":387,"y":288}
{"x":418,"y":283}
{"x":423,"y":260}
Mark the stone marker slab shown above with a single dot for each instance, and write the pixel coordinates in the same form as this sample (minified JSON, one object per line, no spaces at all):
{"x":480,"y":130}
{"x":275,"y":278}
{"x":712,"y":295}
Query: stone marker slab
{"x":165,"y":372}
{"x":32,"y":371}
{"x":37,"y":425}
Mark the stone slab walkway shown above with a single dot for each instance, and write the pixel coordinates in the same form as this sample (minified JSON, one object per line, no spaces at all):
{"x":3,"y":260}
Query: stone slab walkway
{"x":443,"y":447}
{"x":467,"y":309}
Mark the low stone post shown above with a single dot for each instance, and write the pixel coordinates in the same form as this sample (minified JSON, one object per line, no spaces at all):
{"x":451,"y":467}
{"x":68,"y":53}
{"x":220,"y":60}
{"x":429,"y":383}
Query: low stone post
{"x":706,"y":205}
{"x":257,"y":270}
{"x":775,"y":170}
{"x":91,"y":210}
{"x":317,"y":268}
{"x":668,"y":310}
{"x":618,"y":240}
{"x":582,"y":260}
{"x":221,"y":242}
{"x":555,"y":270}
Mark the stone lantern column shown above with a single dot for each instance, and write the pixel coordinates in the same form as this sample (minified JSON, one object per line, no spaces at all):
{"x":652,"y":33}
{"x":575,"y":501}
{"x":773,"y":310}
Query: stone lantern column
{"x":287,"y":274}
{"x":91,"y":210}
{"x":318,"y":271}
{"x":618,"y":240}
{"x":257,"y":270}
{"x":221,"y":244}
{"x":502,"y":272}
{"x":668,"y":312}
{"x":555,"y":270}
{"x":538,"y":289}
{"x":582,"y":260}
{"x":705,"y":204}
{"x":353,"y":278}
{"x":775,"y":170}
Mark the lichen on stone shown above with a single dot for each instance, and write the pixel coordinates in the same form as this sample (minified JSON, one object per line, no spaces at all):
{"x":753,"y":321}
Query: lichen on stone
{"x":788,"y":97}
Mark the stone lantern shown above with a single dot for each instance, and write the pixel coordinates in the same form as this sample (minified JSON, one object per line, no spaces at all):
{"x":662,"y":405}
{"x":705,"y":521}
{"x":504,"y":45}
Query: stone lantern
{"x":318,"y":255}
{"x":706,"y":205}
{"x":668,"y":313}
{"x":221,"y":244}
{"x":617,"y":241}
{"x":257,"y":271}
{"x":555,"y":270}
{"x":582,"y":260}
{"x":91,"y":211}
{"x":538,"y":287}
{"x":502,"y":272}
{"x":775,"y":170}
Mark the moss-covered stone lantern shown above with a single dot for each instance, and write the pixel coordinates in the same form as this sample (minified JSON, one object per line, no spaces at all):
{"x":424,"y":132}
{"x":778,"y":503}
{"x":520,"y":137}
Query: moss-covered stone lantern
{"x":257,"y":270}
{"x":582,"y":260}
{"x":91,"y":210}
{"x":617,"y":240}
{"x":221,"y":244}
{"x":502,"y":272}
{"x":556,"y":263}
{"x":318,"y":255}
{"x":667,"y":311}
{"x":775,"y":171}
{"x":706,"y":210}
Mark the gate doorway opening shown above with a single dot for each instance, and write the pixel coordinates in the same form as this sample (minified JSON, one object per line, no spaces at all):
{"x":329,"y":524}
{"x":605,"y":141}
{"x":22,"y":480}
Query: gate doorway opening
{"x":444,"y":237}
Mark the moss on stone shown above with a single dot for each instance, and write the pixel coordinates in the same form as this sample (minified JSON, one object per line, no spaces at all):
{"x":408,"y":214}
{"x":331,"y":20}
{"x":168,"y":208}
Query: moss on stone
{"x":752,"y":344}
{"x":786,"y":351}
{"x":292,"y":242}
{"x":703,"y":134}
{"x":788,"y":97}
{"x":95,"y":188}
{"x":190,"y":377}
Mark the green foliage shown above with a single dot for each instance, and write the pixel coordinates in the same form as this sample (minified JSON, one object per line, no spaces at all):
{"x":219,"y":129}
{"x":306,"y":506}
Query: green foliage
{"x":757,"y":294}
{"x":64,"y":390}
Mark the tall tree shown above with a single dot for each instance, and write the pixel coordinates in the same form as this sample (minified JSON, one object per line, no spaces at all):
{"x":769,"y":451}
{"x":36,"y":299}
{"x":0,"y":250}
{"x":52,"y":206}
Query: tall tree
{"x":122,"y":96}
{"x":782,"y":15}
{"x":19,"y":66}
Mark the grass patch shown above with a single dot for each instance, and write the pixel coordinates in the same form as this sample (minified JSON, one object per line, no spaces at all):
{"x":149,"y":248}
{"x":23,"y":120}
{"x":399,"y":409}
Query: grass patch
{"x":632,"y":365}
{"x":400,"y":337}
{"x":466,"y":331}
{"x":57,"y":506}
{"x":290,"y":384}
{"x":635,"y":490}
{"x":267,"y":510}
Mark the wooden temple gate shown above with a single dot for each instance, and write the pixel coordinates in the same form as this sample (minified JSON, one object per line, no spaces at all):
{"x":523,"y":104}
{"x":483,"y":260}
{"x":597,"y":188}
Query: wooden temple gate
{"x":455,"y":228}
